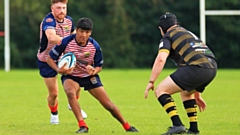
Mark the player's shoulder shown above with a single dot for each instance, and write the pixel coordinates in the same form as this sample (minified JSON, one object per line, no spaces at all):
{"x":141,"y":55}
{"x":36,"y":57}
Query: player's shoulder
{"x":69,"y":18}
{"x":94,"y":42}
{"x":49,"y":18}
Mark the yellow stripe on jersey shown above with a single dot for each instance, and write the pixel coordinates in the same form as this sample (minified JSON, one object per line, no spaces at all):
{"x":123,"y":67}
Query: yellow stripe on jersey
{"x":179,"y":40}
{"x":190,"y":55}
{"x":176,"y":31}
{"x":183,"y":50}
{"x":164,"y":50}
{"x":199,"y":61}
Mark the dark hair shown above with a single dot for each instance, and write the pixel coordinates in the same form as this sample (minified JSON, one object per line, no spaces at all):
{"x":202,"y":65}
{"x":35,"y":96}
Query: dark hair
{"x":167,"y":20}
{"x":85,"y":24}
{"x":56,"y":1}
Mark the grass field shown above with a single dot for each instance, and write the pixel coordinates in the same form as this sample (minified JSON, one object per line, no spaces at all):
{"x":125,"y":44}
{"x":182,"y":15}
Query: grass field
{"x":24,"y":111}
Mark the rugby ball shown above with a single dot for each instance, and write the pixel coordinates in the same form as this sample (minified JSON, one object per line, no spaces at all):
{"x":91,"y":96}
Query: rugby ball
{"x":68,"y":58}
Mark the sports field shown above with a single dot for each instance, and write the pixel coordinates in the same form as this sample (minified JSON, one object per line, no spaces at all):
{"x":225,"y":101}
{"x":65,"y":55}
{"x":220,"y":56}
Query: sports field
{"x":24,"y":111}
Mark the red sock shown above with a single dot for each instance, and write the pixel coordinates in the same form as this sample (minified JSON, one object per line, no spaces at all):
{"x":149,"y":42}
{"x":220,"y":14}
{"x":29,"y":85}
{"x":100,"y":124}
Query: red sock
{"x":81,"y":123}
{"x":126,"y":126}
{"x":53,"y":108}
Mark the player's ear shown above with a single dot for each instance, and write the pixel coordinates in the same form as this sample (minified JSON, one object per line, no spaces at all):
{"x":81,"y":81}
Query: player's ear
{"x":161,"y":31}
{"x":52,"y":8}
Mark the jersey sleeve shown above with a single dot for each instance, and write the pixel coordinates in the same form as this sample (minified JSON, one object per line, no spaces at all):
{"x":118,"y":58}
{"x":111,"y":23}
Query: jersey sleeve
{"x":164,"y":45}
{"x":98,"y":58}
{"x":48,"y":23}
{"x":57,"y":51}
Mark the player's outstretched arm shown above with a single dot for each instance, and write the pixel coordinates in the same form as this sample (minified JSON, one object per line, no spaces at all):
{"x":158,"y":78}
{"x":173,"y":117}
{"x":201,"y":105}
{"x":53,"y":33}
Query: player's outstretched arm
{"x":52,"y":36}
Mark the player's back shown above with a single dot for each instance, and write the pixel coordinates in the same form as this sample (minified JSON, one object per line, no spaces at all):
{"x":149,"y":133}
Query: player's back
{"x":188,"y":49}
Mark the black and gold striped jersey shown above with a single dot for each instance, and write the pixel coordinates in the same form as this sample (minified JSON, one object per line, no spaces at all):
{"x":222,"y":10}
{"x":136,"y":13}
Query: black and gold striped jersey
{"x":185,"y":48}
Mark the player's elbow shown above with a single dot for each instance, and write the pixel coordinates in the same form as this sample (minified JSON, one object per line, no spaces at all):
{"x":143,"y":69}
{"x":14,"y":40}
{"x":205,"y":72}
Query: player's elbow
{"x":54,"y":39}
{"x":49,"y":58}
{"x":161,"y":60}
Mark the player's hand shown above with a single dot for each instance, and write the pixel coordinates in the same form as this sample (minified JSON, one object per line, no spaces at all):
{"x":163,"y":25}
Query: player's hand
{"x":64,"y":70}
{"x":90,"y":69}
{"x":149,"y":87}
{"x":201,"y":104}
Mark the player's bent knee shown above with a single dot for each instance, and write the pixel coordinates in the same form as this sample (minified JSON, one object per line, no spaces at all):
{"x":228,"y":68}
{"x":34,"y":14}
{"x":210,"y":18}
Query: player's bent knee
{"x":159,"y":92}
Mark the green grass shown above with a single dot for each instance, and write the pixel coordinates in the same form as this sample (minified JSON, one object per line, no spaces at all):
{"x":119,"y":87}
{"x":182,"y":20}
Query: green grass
{"x":24,"y":111}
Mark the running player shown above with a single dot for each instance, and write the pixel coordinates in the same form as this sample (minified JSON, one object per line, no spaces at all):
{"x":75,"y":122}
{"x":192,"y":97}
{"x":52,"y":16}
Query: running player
{"x":85,"y":74}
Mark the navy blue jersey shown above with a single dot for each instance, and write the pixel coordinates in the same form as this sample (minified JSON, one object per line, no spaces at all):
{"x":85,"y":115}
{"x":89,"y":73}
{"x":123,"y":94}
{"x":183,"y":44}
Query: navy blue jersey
{"x":90,"y":54}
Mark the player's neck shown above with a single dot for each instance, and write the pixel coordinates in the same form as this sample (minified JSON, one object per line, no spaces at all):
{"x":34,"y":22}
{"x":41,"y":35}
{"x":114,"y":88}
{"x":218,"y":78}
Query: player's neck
{"x":81,"y":43}
{"x":59,"y":20}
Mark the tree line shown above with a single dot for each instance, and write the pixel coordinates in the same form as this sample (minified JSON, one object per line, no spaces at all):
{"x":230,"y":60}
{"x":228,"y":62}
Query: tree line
{"x":125,"y":29}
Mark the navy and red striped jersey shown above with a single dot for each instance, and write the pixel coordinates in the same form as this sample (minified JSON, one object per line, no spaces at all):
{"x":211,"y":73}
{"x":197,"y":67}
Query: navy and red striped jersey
{"x":62,"y":29}
{"x":90,"y":54}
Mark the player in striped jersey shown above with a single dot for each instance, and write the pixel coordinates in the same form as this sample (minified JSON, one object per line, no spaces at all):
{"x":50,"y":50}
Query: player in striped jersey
{"x":54,"y":26}
{"x":197,"y":67}
{"x":85,"y":74}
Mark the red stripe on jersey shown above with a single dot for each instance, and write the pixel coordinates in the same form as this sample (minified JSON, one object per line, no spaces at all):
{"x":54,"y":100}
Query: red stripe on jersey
{"x":85,"y":56}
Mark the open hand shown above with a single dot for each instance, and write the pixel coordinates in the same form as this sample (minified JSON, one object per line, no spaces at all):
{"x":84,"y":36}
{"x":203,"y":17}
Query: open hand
{"x":201,"y":104}
{"x":149,"y":87}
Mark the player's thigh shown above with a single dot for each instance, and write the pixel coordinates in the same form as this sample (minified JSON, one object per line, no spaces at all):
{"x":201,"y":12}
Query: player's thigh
{"x":167,"y":86}
{"x":100,"y":94}
{"x":52,"y":84}
{"x":70,"y":86}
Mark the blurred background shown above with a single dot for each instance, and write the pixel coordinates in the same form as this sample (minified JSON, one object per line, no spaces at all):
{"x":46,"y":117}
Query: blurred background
{"x":125,"y":29}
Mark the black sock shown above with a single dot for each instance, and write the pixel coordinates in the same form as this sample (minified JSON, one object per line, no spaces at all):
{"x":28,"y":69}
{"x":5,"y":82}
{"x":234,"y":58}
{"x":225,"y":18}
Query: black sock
{"x":169,"y":105}
{"x":55,"y":113}
{"x":191,"y":109}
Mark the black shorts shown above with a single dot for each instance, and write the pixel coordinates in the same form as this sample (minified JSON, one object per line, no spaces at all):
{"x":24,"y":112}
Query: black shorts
{"x":193,"y":77}
{"x":88,"y":83}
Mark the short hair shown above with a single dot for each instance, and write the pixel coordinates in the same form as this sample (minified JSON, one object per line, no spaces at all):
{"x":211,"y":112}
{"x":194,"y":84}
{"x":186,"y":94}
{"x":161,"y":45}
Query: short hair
{"x":167,"y":20}
{"x":84,"y":23}
{"x":56,"y":1}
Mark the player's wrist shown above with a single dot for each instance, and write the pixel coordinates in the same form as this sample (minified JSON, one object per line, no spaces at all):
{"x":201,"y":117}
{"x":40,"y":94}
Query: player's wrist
{"x":151,"y":82}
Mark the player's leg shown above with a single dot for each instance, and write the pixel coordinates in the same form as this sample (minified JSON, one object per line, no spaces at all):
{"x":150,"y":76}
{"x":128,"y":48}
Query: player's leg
{"x":70,"y":88}
{"x":191,"y":109}
{"x":52,"y":98}
{"x":163,"y":93}
{"x":84,"y":114}
{"x":100,"y":94}
{"x":50,"y":78}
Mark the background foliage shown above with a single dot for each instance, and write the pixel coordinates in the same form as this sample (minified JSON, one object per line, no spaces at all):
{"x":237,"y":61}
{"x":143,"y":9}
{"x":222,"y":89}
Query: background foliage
{"x":126,"y":30}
